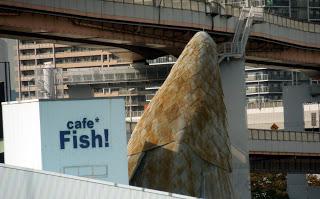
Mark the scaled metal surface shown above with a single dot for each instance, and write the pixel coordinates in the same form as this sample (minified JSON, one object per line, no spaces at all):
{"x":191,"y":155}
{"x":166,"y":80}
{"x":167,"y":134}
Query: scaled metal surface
{"x":181,"y":144}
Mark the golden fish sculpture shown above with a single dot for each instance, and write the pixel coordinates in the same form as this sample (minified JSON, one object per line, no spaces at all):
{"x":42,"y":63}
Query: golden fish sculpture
{"x":181,"y":143}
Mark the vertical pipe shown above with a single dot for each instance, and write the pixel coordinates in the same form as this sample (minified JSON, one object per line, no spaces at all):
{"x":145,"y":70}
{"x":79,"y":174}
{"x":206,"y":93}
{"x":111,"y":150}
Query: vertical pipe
{"x":290,"y":8}
{"x":54,"y":55}
{"x":54,"y":73}
{"x":308,"y":10}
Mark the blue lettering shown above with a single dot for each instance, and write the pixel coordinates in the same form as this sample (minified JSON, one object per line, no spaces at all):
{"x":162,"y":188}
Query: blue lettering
{"x":77,"y":124}
{"x":84,"y":122}
{"x":70,"y":125}
{"x":94,"y":138}
{"x":90,"y":124}
{"x":106,"y":137}
{"x":84,"y":140}
{"x":74,"y":137}
{"x":63,"y":139}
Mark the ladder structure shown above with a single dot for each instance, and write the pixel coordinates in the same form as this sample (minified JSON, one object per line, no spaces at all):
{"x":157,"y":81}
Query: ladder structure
{"x":236,"y":48}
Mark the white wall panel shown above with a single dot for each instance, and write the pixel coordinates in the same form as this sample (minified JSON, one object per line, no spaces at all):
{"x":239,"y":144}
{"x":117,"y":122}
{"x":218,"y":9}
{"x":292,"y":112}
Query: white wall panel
{"x":21,"y":125}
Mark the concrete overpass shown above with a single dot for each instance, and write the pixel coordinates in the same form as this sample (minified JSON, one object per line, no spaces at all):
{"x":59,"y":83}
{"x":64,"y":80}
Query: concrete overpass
{"x":151,"y":30}
{"x":284,"y":151}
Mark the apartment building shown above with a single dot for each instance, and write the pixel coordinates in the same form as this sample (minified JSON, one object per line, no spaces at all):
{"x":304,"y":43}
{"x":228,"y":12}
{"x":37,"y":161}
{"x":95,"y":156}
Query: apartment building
{"x":263,"y":84}
{"x":104,"y":69}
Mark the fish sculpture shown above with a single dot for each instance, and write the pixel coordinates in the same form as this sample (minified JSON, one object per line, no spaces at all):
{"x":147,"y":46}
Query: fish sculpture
{"x":181,"y":143}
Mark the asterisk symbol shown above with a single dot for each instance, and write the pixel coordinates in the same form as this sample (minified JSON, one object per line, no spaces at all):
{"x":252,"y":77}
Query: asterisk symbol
{"x":97,"y":119}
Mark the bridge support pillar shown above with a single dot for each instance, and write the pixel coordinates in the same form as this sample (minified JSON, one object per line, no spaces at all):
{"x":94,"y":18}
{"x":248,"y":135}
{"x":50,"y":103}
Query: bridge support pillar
{"x":297,"y":186}
{"x":233,"y":84}
{"x":293,"y":99}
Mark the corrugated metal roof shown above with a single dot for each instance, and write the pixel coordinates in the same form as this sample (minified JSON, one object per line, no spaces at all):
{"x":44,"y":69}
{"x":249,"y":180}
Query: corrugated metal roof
{"x":23,"y":183}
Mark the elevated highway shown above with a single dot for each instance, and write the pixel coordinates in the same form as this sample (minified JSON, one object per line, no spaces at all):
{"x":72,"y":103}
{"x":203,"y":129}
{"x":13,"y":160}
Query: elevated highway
{"x":284,"y":151}
{"x":151,"y":29}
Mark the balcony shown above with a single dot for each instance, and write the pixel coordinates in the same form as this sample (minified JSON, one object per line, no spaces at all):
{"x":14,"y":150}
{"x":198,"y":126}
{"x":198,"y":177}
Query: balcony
{"x":26,"y":78}
{"x":27,"y":67}
{"x":135,"y":103}
{"x":263,"y":90}
{"x":134,"y":113}
{"x":28,"y":88}
{"x":163,"y":60}
{"x":65,"y":54}
{"x":43,"y":45}
{"x":267,"y":77}
{"x":270,"y":104}
{"x":83,"y":64}
{"x":27,"y":56}
{"x":149,"y":97}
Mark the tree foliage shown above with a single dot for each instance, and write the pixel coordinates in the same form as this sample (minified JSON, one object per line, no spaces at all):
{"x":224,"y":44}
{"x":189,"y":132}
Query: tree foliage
{"x":313,"y":180}
{"x":268,"y":186}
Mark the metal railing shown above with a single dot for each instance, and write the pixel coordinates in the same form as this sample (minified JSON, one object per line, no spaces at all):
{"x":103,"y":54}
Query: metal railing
{"x":107,"y":76}
{"x":278,"y":20}
{"x":260,"y":134}
{"x":257,"y":77}
{"x":271,"y":104}
{"x":262,"y":89}
{"x":165,"y":59}
{"x":134,"y":113}
{"x":230,"y":48}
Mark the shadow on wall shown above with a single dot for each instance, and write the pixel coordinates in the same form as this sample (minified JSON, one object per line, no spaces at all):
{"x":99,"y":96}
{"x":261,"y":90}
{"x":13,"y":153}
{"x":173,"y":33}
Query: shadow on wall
{"x":177,"y":169}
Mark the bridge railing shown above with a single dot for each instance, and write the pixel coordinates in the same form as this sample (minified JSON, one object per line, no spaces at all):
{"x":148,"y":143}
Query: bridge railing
{"x":194,"y":5}
{"x":277,"y":20}
{"x":260,"y":134}
{"x":270,"y":104}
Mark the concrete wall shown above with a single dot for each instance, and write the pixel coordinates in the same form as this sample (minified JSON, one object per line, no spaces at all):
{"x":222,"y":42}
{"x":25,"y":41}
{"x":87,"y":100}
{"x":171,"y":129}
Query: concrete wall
{"x":264,"y":118}
{"x":293,"y":99}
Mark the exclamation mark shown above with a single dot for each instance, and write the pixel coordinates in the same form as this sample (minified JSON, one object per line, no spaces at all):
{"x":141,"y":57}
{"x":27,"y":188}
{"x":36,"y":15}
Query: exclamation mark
{"x":106,"y":137}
